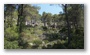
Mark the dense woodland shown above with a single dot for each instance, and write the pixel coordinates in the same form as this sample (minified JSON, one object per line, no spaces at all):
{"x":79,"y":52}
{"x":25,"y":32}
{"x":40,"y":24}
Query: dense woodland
{"x":25,"y":28}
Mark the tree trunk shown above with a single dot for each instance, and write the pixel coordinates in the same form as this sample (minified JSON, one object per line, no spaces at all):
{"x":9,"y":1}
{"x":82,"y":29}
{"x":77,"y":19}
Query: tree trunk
{"x":44,"y":23}
{"x":21,"y":17}
{"x":11,"y":17}
{"x":19,"y":23}
{"x":68,"y":25}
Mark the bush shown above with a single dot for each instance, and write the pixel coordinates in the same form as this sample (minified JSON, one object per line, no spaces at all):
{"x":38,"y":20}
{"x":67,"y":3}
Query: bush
{"x":77,"y":40}
{"x":37,"y":42}
{"x":11,"y":45}
{"x":11,"y":34}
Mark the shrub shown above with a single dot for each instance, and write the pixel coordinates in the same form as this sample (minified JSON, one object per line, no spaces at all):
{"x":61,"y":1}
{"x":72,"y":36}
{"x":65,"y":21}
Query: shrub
{"x":10,"y":34}
{"x":11,"y":45}
{"x":37,"y":42}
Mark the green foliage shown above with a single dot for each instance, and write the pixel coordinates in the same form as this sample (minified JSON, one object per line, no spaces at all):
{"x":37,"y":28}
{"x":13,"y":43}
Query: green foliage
{"x":57,"y":44}
{"x":37,"y":42}
{"x":50,"y":32}
{"x":11,"y":45}
{"x":77,"y":42}
{"x":11,"y":38}
{"x":11,"y":34}
{"x":46,"y":41}
{"x":78,"y":39}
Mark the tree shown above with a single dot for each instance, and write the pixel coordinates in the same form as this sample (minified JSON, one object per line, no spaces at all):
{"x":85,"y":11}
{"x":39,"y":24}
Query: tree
{"x":55,"y":20}
{"x":44,"y":18}
{"x":53,"y":31}
{"x":75,"y":15}
{"x":67,"y":20}
{"x":9,"y":10}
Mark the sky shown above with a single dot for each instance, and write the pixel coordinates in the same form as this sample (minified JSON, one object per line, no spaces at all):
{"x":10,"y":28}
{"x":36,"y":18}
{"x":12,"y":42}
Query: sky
{"x":54,"y":9}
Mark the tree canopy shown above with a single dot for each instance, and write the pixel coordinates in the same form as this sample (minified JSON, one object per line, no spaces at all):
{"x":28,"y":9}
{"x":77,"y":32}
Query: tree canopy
{"x":25,"y":28}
